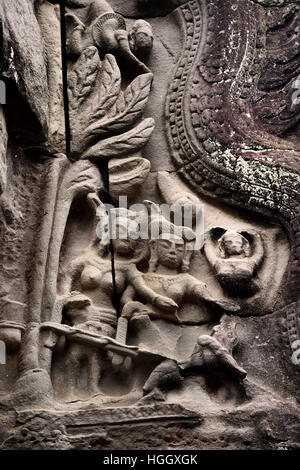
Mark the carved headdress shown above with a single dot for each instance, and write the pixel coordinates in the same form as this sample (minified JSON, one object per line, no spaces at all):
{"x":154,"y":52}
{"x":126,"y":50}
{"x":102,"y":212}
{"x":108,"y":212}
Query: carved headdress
{"x":110,"y":224}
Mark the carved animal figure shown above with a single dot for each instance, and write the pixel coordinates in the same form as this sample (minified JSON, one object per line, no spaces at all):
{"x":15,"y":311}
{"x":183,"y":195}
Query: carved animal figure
{"x":96,"y":24}
{"x":208,"y":355}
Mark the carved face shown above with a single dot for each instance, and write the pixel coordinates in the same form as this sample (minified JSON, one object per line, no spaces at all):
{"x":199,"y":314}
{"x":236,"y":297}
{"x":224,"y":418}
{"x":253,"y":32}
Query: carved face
{"x":170,"y":252}
{"x":123,"y":244}
{"x":233,"y":244}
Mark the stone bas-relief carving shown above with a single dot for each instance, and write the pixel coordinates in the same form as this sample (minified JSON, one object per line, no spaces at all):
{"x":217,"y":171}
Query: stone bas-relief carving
{"x":234,"y":260}
{"x":168,"y":276}
{"x":106,"y":30}
{"x":92,"y":308}
{"x":106,"y":332}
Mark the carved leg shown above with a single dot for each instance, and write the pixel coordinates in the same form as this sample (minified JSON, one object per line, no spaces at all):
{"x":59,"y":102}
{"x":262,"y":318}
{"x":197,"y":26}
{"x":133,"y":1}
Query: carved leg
{"x":97,"y":360}
{"x":147,"y":335}
{"x":95,"y":368}
{"x":121,"y":336}
{"x":165,"y":375}
{"x":73,"y":368}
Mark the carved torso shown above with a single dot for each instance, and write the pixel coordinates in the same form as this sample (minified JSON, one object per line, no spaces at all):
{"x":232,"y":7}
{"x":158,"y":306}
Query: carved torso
{"x":173,"y":286}
{"x":241,"y":269}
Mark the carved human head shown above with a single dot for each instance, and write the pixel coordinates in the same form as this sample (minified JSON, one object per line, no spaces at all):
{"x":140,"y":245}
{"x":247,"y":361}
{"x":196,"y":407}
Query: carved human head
{"x":170,"y":245}
{"x":141,"y":37}
{"x":171,"y":252}
{"x":118,"y":229}
{"x":123,"y":242}
{"x":170,"y":249}
{"x":234,"y":244}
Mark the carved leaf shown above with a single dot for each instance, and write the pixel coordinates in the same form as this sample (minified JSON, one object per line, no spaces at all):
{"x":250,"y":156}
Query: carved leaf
{"x":123,"y":144}
{"x":82,"y":78}
{"x":137,"y":93}
{"x":131,"y":105}
{"x":109,"y":90}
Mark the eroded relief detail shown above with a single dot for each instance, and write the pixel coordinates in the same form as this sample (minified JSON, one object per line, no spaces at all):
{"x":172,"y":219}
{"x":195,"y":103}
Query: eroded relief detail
{"x":235,"y":257}
{"x":104,"y":118}
{"x":103,"y":326}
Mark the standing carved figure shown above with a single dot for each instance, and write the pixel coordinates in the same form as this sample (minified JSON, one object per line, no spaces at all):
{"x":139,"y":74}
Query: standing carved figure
{"x":79,"y":311}
{"x":91,"y":303}
{"x":235,"y":257}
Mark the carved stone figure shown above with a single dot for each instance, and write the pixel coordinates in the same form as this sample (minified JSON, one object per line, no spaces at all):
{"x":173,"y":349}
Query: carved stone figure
{"x":170,"y":258}
{"x":236,"y":258}
{"x":208,"y":356}
{"x":103,"y":28}
{"x":168,"y":276}
{"x":94,"y":278}
{"x":89,"y":302}
{"x":118,"y":320}
{"x":80,"y":315}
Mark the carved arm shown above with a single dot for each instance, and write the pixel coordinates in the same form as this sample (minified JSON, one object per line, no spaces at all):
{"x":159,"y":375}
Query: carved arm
{"x":135,"y":279}
{"x":74,"y":269}
{"x":198,"y":291}
{"x":258,"y":250}
{"x":209,"y":249}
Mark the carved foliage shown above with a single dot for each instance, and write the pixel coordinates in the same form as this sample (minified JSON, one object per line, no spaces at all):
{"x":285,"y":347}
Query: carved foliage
{"x":105,"y":119}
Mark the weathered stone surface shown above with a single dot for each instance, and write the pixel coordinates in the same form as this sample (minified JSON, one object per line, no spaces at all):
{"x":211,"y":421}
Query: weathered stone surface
{"x":127,"y":175}
{"x":25,"y":63}
{"x":146,"y":8}
{"x":150,"y":281}
{"x":48,"y":17}
{"x":3,"y":148}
